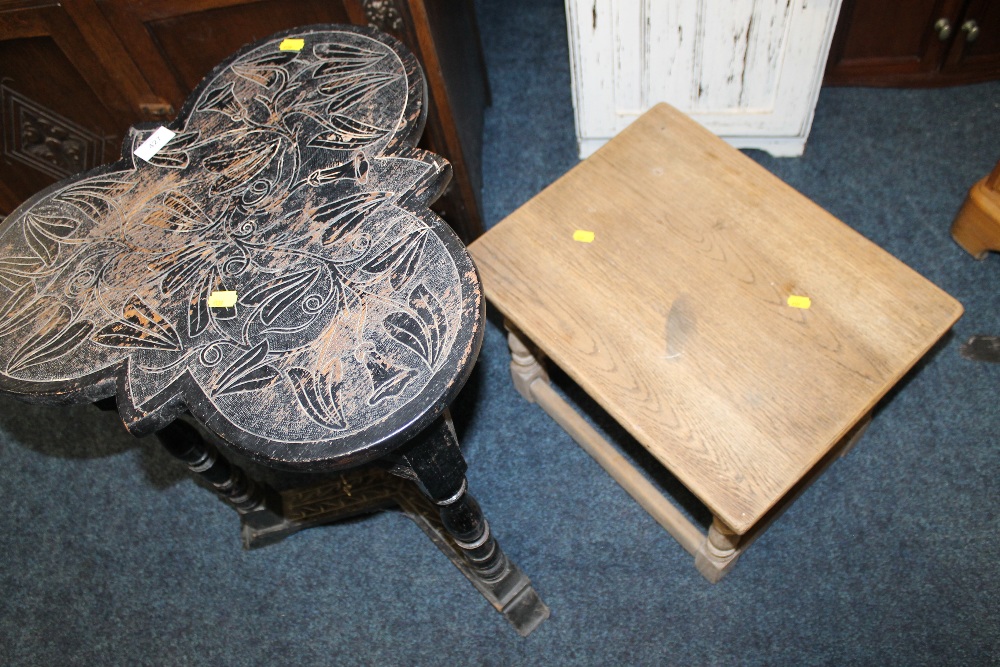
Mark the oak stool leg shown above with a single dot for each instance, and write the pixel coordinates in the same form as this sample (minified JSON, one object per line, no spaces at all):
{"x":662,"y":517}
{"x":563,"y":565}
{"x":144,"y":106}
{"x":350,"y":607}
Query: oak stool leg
{"x":718,"y":552}
{"x":434,"y":461}
{"x":525,"y":365}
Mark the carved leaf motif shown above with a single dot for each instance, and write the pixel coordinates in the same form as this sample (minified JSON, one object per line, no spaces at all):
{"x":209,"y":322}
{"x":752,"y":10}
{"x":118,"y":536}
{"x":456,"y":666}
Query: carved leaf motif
{"x":175,"y":154}
{"x":265,"y":70}
{"x":20,"y":309}
{"x":43,"y":233}
{"x":181,"y":266}
{"x":344,"y":55}
{"x":346,"y":67}
{"x":200,"y":316}
{"x":388,"y":380}
{"x":222,"y":100}
{"x":406,"y":329}
{"x":140,"y":327}
{"x":344,"y":216}
{"x":424,"y":334}
{"x":242,"y":163}
{"x":95,"y":197}
{"x":346,"y":133}
{"x":317,"y":396}
{"x":431,"y":314}
{"x":173,"y":211}
{"x":248,"y":373}
{"x":57,"y":337}
{"x":273,"y":297}
{"x":355,"y":168}
{"x":400,"y":258}
{"x":345,"y":92}
{"x":16,"y":271}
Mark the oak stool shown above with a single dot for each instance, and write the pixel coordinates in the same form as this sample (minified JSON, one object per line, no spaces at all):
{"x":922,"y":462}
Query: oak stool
{"x":737,"y":331}
{"x":977,"y":226}
{"x":267,"y":263}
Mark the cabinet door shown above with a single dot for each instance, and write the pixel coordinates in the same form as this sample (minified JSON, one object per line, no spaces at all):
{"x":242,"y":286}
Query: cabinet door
{"x":897,"y":40}
{"x":749,"y":70}
{"x":975,"y":55}
{"x":915,"y":43}
{"x":63,"y":109}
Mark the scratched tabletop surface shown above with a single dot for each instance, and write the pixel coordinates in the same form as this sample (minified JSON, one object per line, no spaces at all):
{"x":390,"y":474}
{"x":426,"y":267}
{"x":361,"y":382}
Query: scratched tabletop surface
{"x":266,"y":261}
{"x":736,"y":329}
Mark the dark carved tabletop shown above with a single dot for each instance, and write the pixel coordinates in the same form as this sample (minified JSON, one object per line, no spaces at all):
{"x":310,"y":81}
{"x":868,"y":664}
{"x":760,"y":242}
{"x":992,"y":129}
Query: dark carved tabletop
{"x":293,"y":181}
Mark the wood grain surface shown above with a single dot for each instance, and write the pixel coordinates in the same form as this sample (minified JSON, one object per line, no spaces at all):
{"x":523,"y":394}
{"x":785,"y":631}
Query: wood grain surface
{"x":676,"y":317}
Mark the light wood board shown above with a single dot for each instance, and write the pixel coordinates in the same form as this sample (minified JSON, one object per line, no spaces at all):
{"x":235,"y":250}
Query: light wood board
{"x":675,"y":319}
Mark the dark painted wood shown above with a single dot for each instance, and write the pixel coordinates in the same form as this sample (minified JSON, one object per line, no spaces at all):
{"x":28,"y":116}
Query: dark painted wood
{"x":292,"y":182}
{"x":244,"y":495}
{"x":898,"y":44}
{"x":434,"y":460}
{"x":372,"y":488}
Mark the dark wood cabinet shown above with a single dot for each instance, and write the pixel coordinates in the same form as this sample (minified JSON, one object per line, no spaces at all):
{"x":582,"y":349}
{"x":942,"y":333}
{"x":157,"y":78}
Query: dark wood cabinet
{"x":915,"y":43}
{"x":75,"y":74}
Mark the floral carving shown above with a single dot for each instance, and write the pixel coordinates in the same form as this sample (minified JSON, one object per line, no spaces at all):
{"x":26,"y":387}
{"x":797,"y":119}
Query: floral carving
{"x":292,"y":181}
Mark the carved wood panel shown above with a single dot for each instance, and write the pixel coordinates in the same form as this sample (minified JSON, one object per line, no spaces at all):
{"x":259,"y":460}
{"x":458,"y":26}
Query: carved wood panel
{"x":292,"y":181}
{"x":45,"y":136}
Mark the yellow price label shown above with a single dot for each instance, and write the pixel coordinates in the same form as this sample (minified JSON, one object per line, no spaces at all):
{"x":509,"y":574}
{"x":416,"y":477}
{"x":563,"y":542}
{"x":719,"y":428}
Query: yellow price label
{"x":802,"y":302}
{"x":290,"y":44}
{"x":583,"y":236}
{"x":222,"y":299}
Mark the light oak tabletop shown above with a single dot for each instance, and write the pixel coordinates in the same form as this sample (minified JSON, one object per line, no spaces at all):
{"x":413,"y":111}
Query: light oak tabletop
{"x":676,"y":317}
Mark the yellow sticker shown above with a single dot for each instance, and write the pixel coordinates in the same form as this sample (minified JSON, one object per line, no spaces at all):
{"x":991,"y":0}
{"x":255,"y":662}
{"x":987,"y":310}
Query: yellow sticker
{"x":222,"y":299}
{"x":289,"y":44}
{"x":583,"y":236}
{"x":802,"y":302}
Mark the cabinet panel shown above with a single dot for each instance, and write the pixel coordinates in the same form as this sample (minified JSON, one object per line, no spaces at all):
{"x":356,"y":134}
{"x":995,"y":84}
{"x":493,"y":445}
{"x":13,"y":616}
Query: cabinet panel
{"x":897,"y":33}
{"x":976,"y":54}
{"x":915,"y":43}
{"x":176,"y":44}
{"x":61,"y":110}
{"x":749,"y":70}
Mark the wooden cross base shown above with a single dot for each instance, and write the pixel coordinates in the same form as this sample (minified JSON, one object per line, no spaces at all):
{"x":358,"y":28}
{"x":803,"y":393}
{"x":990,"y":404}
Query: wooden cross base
{"x":371,"y":489}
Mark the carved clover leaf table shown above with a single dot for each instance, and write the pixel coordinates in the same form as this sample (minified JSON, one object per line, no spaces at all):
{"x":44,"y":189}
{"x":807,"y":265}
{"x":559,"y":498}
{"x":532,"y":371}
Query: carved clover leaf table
{"x":267,"y":263}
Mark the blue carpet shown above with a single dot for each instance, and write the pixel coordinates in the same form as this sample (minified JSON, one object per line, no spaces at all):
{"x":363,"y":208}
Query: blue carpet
{"x":114,"y":556}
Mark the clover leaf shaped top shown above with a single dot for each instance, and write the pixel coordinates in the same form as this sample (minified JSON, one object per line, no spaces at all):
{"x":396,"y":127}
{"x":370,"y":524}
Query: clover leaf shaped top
{"x":293,"y":181}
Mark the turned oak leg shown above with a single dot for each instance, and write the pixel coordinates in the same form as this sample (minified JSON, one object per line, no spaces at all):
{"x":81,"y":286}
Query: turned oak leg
{"x":525,"y":365}
{"x":718,"y":553}
{"x":184,"y":442}
{"x":434,"y":461}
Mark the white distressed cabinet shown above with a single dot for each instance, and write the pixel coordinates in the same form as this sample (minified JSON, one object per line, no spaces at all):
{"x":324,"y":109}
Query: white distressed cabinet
{"x":749,"y":70}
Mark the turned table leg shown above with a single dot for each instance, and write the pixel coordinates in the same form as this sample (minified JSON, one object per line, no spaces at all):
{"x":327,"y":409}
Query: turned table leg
{"x":718,"y":552}
{"x":231,"y":483}
{"x":525,"y":364}
{"x":434,"y":461}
